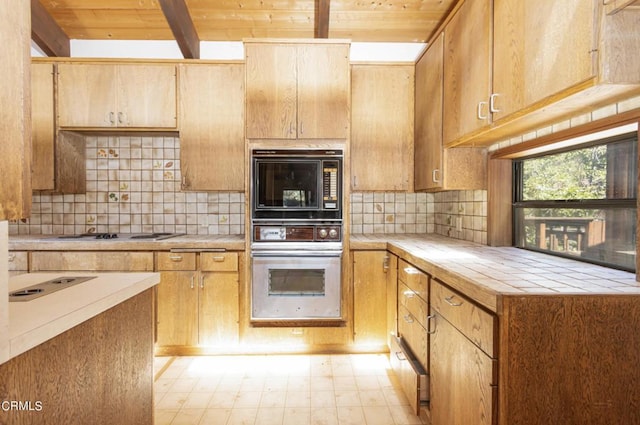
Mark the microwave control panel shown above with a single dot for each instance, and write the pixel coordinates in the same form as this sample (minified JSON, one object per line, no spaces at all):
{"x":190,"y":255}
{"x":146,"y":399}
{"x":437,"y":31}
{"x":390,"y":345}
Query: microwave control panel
{"x":295,"y":233}
{"x":330,"y":182}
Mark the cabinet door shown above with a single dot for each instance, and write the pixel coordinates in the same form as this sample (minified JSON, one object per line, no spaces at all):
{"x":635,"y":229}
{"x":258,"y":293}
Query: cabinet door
{"x":382,"y":123}
{"x":218,"y":308}
{"x":323,"y":91}
{"x":390,"y":267}
{"x":467,"y":56}
{"x":42,"y":127}
{"x":370,"y":298}
{"x":177,"y":318}
{"x":146,"y":96}
{"x":271,"y":91}
{"x":86,"y":95}
{"x":462,"y":379}
{"x":428,"y":130}
{"x":540,"y":49}
{"x":212,"y":120}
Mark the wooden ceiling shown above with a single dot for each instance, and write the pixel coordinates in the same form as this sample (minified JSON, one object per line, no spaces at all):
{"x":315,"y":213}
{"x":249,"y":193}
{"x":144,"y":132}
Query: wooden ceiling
{"x":188,"y":22}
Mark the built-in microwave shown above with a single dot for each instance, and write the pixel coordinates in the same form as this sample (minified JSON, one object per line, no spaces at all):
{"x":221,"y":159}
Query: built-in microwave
{"x":296,"y":184}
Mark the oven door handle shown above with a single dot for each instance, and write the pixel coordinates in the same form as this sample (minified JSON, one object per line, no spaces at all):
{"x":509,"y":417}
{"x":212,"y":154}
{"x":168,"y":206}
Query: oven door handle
{"x":297,"y":253}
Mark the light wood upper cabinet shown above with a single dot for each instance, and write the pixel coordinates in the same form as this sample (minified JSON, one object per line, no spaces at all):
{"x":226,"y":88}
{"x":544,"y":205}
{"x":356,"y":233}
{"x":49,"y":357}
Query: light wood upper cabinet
{"x":467,"y":69}
{"x":437,"y":168}
{"x":382,"y":127}
{"x":109,"y":95}
{"x":297,"y":91}
{"x":532,"y":65}
{"x":42,"y":127}
{"x":212,"y":119}
{"x":539,"y":50}
{"x":15,"y":121}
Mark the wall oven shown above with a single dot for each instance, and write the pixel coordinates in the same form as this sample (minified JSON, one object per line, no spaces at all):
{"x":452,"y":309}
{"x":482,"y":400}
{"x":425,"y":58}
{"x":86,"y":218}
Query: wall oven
{"x":295,"y":184}
{"x":296,"y":284}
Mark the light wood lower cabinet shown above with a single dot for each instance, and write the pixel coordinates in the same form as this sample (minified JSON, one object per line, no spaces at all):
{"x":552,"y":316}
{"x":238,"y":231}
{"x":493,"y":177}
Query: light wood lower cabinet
{"x":371,"y":281}
{"x":133,"y":261}
{"x":463,"y":376}
{"x":198,"y":299}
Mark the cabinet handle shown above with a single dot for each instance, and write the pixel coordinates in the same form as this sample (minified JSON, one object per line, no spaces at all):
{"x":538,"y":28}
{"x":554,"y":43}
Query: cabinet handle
{"x":434,"y":173}
{"x":193,"y":278}
{"x":120,"y":117}
{"x":449,"y":301}
{"x":175,"y":258}
{"x":492,"y":103}
{"x":411,"y":270}
{"x":12,"y":257}
{"x":112,"y":118}
{"x":202,"y":282}
{"x":218,"y":259}
{"x":429,"y":318}
{"x":408,"y":294}
{"x":480,"y":116}
{"x":407,"y":318}
{"x":355,"y":182}
{"x":400,"y":356}
{"x":385,"y":264}
{"x":301,"y":127}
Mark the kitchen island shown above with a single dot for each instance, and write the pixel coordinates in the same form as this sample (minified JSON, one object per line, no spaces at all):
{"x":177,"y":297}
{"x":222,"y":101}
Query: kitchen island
{"x":83,"y":354}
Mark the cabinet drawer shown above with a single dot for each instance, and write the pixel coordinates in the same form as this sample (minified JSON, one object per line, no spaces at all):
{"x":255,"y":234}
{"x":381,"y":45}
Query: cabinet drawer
{"x":168,"y":261}
{"x":414,"y":335}
{"x":415,"y":279}
{"x":474,"y":322}
{"x":18,"y":261}
{"x":219,"y":261}
{"x":415,"y":304}
{"x":92,"y":260}
{"x":413,"y":379}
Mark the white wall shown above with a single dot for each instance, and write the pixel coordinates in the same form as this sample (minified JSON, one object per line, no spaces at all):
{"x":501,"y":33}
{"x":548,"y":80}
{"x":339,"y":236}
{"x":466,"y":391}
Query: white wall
{"x":223,"y":50}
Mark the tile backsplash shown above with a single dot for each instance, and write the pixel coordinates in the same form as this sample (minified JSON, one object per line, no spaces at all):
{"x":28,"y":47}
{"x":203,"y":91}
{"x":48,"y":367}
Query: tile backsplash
{"x":456,"y":214}
{"x":133,"y":186}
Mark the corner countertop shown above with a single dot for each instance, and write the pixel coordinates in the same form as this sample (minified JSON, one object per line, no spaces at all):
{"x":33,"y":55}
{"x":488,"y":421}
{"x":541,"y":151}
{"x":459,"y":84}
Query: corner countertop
{"x":33,"y":322}
{"x":486,"y":273}
{"x":53,"y":243}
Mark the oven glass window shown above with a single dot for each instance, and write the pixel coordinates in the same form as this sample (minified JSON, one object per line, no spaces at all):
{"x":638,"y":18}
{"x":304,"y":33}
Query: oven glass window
{"x":300,"y":282}
{"x":287,"y":184}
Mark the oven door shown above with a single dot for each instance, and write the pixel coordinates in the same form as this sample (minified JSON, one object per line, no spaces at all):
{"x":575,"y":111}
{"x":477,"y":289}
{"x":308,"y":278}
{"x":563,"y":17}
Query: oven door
{"x":296,"y":285}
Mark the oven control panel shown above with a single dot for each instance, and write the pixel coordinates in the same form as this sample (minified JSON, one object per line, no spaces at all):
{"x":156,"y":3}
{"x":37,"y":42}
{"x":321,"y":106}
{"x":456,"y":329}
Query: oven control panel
{"x":297,"y":233}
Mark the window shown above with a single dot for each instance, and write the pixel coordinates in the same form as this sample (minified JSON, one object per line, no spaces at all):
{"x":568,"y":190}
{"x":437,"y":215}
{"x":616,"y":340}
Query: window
{"x":580,"y":202}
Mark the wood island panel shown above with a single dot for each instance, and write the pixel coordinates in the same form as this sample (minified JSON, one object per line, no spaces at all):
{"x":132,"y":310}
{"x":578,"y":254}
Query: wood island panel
{"x":91,"y":260}
{"x":570,"y":360}
{"x":99,"y":372}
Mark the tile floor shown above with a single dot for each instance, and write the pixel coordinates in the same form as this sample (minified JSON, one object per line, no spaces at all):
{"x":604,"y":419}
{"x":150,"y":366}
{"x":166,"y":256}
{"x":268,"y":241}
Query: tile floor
{"x":349,"y":389}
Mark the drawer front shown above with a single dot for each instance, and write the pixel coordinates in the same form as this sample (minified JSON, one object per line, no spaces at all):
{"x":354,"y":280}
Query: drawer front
{"x":219,"y":261}
{"x":414,"y":381}
{"x":414,"y":335}
{"x":18,"y":261}
{"x":414,"y":303}
{"x":414,"y":278}
{"x":474,"y":322}
{"x":169,"y":261}
{"x":92,"y":261}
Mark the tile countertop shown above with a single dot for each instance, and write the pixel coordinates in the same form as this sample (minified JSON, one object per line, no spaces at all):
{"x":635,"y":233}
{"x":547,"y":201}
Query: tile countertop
{"x":53,"y":243}
{"x":33,"y":322}
{"x":486,"y":274}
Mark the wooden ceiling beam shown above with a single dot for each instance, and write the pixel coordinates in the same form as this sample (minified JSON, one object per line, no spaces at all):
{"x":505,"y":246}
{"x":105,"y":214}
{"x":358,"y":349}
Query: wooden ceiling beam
{"x":322,"y":18}
{"x":182,"y":27}
{"x":47,"y":34}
